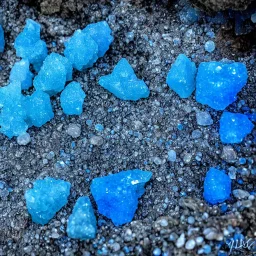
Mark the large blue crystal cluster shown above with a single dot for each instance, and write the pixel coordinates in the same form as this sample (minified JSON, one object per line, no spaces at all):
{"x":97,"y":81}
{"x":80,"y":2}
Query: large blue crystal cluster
{"x":117,"y":195}
{"x":46,"y":198}
{"x":2,"y":40}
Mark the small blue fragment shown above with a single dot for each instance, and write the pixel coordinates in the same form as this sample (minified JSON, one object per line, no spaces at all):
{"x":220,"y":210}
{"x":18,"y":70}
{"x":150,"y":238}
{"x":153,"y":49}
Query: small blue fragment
{"x":123,"y":83}
{"x":2,"y":40}
{"x":189,"y":15}
{"x":209,"y":46}
{"x":234,"y":127}
{"x":181,"y":77}
{"x":46,"y":198}
{"x":82,"y":222}
{"x":217,"y":186}
{"x":99,"y":127}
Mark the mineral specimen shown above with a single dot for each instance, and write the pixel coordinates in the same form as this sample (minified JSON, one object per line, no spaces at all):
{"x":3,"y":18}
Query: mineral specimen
{"x":117,"y":195}
{"x":82,"y":221}
{"x":46,"y":198}
{"x":2,"y":41}
{"x":217,"y":83}
{"x":101,"y":34}
{"x":217,"y":186}
{"x":29,"y":46}
{"x":21,"y":73}
{"x":181,"y":77}
{"x":234,"y":127}
{"x":123,"y":83}
{"x":72,"y":98}
{"x":81,"y":50}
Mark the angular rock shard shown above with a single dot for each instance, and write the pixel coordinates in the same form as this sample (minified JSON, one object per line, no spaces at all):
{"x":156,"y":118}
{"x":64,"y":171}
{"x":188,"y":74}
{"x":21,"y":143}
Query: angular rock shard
{"x":2,"y":40}
{"x":123,"y":83}
{"x":217,"y":83}
{"x":46,"y":198}
{"x":82,"y":222}
{"x":181,"y":77}
{"x":234,"y":127}
{"x":117,"y":195}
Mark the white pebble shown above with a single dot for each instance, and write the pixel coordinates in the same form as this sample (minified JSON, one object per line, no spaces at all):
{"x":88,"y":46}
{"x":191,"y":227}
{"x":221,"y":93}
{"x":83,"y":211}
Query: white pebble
{"x":23,"y":139}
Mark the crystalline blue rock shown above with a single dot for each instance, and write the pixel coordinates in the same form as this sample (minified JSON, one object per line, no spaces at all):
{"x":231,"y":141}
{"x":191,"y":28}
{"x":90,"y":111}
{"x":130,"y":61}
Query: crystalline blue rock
{"x":189,"y":15}
{"x":234,"y":127}
{"x":101,"y":34}
{"x":72,"y":99}
{"x":217,"y":83}
{"x":181,"y":77}
{"x":21,"y":73}
{"x":46,"y":198}
{"x":117,"y":195}
{"x":29,"y":46}
{"x":81,"y":50}
{"x":52,"y":77}
{"x":123,"y":83}
{"x":38,"y":108}
{"x":217,"y":186}
{"x":2,"y":41}
{"x":82,"y":222}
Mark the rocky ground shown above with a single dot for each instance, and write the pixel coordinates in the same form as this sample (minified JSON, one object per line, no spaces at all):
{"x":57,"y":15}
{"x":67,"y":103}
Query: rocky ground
{"x":172,"y":217}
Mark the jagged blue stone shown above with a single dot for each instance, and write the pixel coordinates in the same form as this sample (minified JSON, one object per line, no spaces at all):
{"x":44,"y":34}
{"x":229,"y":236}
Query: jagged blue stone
{"x":52,"y":77}
{"x":38,"y":108}
{"x":21,"y":73}
{"x":123,"y":83}
{"x":82,"y":222}
{"x":218,"y":83}
{"x":29,"y":46}
{"x":101,"y":34}
{"x":46,"y":198}
{"x":72,"y":99}
{"x":234,"y":127}
{"x":117,"y":195}
{"x":2,"y":40}
{"x":81,"y":50}
{"x":217,"y":186}
{"x":181,"y":77}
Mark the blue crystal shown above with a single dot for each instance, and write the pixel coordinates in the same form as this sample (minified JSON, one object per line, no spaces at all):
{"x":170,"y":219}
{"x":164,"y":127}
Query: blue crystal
{"x":72,"y":99}
{"x":53,"y":75}
{"x":21,"y":73}
{"x":209,"y":46}
{"x":234,"y":127}
{"x":217,"y":186}
{"x":82,"y":221}
{"x":101,"y":34}
{"x":217,"y":83}
{"x":117,"y":195}
{"x":29,"y":46}
{"x":99,"y":127}
{"x":123,"y":83}
{"x":81,"y":50}
{"x":38,"y":108}
{"x":2,"y":41}
{"x":181,"y":77}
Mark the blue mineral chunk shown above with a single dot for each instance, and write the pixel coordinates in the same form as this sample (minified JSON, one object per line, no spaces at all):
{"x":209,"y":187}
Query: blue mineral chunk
{"x":38,"y":108}
{"x":217,"y":186}
{"x":72,"y":99}
{"x":29,"y":46}
{"x":123,"y":83}
{"x":46,"y":198}
{"x":217,"y":83}
{"x":209,"y":46}
{"x":181,"y":77}
{"x":2,"y":41}
{"x":101,"y":34}
{"x":53,"y":75}
{"x":117,"y":195}
{"x":189,"y":15}
{"x":81,"y":50}
{"x":234,"y":127}
{"x":82,"y":222}
{"x":21,"y":73}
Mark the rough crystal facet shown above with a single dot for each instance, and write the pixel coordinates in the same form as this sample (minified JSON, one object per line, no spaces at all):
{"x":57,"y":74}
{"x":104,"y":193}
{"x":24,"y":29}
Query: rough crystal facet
{"x":2,"y":40}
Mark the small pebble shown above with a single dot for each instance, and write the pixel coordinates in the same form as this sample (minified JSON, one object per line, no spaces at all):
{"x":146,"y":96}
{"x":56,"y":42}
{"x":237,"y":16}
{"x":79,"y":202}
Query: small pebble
{"x":181,"y":241}
{"x":190,"y":244}
{"x":23,"y":139}
{"x":209,"y":46}
{"x":204,"y":118}
{"x":96,"y":140}
{"x":74,"y":130}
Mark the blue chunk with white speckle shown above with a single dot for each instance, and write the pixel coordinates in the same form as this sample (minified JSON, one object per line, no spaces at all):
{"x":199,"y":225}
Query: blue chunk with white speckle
{"x":218,"y":83}
{"x":181,"y":77}
{"x":46,"y":198}
{"x":209,"y":46}
{"x":217,"y":186}
{"x":234,"y":127}
{"x":82,"y":222}
{"x":123,"y":82}
{"x":117,"y":195}
{"x":2,"y":40}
